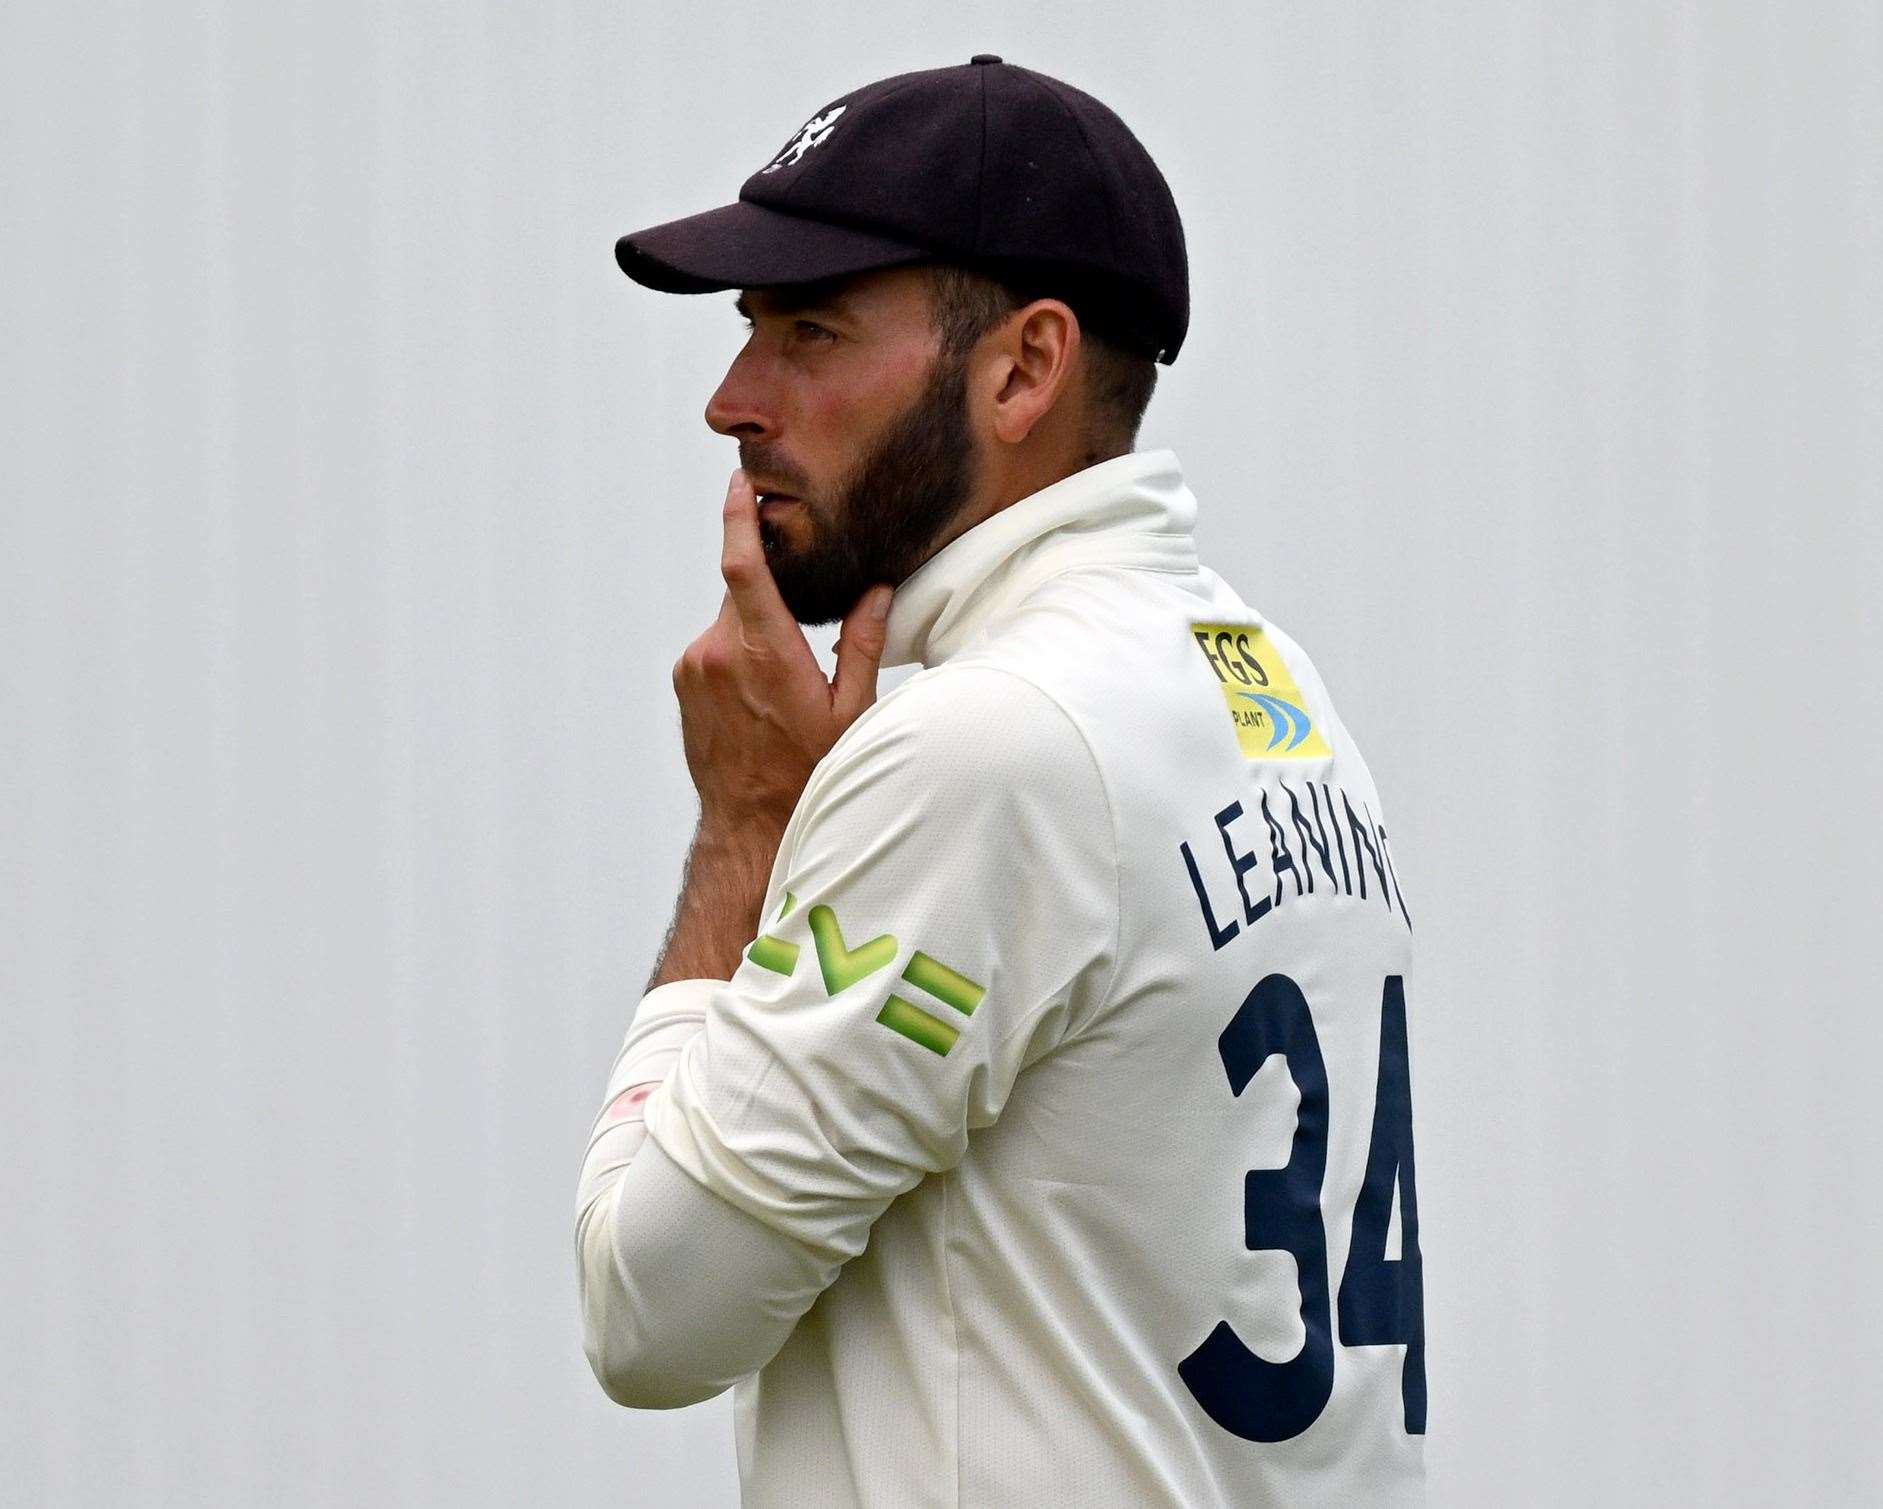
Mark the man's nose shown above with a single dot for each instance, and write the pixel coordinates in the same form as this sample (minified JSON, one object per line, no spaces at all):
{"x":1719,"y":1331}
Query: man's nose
{"x":738,"y":407}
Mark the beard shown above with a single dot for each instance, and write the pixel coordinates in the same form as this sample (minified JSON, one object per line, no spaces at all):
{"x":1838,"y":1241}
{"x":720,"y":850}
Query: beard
{"x":884,"y":517}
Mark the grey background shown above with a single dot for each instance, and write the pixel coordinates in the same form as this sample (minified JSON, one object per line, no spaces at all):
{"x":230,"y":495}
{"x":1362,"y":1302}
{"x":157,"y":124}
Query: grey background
{"x":356,"y":508}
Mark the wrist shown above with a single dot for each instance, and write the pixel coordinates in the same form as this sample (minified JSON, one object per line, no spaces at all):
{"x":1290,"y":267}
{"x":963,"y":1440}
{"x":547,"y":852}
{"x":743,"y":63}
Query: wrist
{"x":727,"y":872}
{"x":732,"y":836}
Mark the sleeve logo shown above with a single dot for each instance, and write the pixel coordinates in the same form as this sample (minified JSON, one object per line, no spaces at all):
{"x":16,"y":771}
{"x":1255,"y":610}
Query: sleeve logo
{"x":843,"y":966}
{"x":1270,"y":715}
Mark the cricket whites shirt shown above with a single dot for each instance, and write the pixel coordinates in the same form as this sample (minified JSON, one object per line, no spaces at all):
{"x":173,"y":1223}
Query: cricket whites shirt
{"x":1052,"y":1142}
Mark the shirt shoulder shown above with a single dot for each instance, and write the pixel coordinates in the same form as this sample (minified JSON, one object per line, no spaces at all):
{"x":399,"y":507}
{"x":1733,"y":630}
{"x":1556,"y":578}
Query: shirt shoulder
{"x":958,"y":725}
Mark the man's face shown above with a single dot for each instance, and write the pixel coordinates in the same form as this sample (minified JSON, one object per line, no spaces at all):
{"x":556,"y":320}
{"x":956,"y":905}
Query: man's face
{"x":840,"y":401}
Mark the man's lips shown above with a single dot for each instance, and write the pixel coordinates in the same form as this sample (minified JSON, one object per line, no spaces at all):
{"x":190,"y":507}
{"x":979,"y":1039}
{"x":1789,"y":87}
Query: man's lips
{"x":776,"y":502}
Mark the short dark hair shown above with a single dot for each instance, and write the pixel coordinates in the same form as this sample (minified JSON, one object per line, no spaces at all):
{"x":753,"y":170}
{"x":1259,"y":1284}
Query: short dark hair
{"x":968,"y":302}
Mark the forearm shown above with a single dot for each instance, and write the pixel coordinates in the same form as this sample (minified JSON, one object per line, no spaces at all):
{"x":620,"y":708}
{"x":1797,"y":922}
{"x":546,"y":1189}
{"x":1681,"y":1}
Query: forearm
{"x":644,"y":1290}
{"x":721,"y":898}
{"x":664,"y":1023}
{"x":721,"y":895}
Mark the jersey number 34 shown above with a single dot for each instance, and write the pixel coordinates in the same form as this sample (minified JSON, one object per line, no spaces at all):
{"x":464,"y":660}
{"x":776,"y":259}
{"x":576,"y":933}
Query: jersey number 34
{"x":1381,"y":1301}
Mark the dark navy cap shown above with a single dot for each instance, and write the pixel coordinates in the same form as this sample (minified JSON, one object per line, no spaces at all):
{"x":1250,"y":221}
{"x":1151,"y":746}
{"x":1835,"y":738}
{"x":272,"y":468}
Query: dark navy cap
{"x":985,"y":163}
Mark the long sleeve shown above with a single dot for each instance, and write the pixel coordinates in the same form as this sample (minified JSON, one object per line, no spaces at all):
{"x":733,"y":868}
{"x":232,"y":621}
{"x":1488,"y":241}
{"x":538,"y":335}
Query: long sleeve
{"x":943,"y":912}
{"x":666,"y":1019}
{"x":655,"y":1249}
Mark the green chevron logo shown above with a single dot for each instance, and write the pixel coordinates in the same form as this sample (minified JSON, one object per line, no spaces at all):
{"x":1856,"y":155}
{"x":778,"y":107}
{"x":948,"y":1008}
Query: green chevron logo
{"x":947,"y":986}
{"x":843,"y":966}
{"x":772,"y":953}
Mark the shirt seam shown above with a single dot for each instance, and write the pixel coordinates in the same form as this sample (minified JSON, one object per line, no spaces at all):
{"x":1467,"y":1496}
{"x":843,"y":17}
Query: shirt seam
{"x":954,"y":1320}
{"x":1111,"y":820}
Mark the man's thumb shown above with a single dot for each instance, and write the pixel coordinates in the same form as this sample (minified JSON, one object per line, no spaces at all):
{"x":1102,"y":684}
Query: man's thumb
{"x":860,"y":651}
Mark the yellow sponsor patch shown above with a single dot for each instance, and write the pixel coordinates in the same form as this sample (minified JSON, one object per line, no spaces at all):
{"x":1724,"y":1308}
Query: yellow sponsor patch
{"x":1272,"y":718}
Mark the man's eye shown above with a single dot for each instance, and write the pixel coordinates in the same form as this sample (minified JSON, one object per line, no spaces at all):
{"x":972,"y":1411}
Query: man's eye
{"x":808,"y":327}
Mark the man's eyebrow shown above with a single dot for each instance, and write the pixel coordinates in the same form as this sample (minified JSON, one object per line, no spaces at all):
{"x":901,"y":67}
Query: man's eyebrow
{"x":797,"y":298}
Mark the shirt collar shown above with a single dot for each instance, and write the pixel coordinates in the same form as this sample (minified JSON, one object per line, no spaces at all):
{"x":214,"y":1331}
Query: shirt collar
{"x":1133,"y":510}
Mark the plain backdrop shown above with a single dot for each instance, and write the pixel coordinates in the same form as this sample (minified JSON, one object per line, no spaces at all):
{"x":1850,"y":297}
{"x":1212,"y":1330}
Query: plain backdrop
{"x":356,"y":508}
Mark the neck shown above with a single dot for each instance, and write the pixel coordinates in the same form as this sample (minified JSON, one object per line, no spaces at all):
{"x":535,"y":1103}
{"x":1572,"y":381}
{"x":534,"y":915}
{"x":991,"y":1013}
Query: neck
{"x":1017,"y":472}
{"x":1132,"y":509}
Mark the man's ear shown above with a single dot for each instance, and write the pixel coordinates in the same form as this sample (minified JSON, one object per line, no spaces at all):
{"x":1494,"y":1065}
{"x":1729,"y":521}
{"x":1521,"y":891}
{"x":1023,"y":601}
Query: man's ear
{"x":1038,"y":348}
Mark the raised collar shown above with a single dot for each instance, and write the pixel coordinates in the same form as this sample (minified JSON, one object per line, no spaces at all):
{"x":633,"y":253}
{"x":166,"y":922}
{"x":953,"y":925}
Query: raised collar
{"x":1133,"y":510}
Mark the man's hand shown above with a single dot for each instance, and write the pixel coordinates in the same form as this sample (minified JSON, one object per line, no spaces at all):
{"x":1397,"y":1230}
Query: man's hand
{"x":756,"y":711}
{"x":756,"y":715}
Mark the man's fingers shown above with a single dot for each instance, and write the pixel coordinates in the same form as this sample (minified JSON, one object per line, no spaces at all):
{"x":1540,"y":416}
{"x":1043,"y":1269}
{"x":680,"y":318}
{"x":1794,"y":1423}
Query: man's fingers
{"x":859,"y":653}
{"x":742,"y":563}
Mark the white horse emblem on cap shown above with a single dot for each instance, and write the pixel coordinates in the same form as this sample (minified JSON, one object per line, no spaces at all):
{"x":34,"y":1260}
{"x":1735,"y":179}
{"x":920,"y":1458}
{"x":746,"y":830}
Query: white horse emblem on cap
{"x":809,"y":135}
